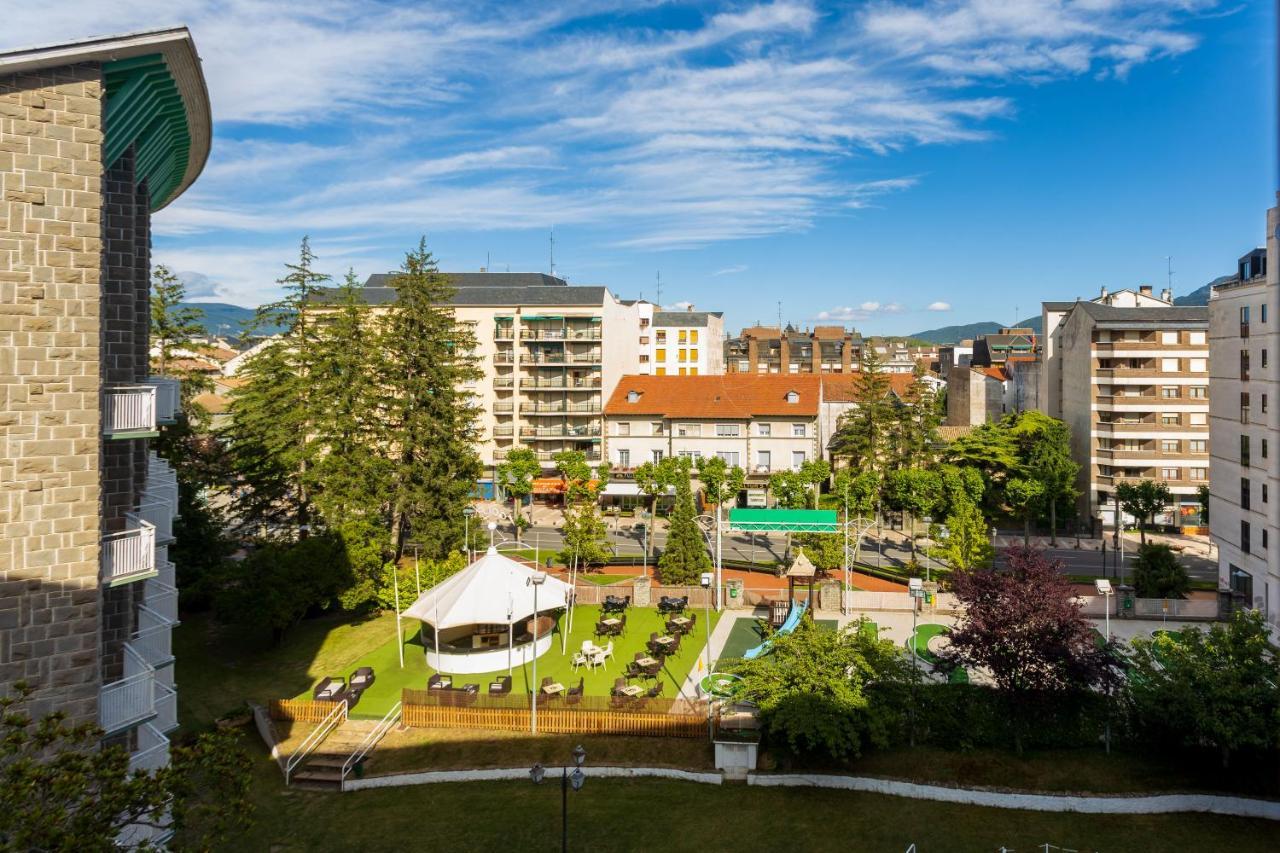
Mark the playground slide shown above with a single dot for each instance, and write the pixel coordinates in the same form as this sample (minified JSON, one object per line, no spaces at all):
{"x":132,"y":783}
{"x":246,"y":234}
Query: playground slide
{"x":793,"y":619}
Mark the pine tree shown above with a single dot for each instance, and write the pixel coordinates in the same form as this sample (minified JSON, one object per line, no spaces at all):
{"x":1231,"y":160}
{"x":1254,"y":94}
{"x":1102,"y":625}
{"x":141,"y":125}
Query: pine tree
{"x":428,"y":431}
{"x":685,"y":557}
{"x":174,"y":329}
{"x":272,"y":439}
{"x":918,"y":420}
{"x":865,"y":435}
{"x":515,"y":475}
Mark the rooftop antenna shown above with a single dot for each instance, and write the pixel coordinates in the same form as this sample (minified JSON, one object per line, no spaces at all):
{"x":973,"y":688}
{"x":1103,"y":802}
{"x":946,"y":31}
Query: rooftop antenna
{"x":659,"y":296}
{"x":779,"y":316}
{"x":1168,"y":262}
{"x":553,"y":251}
{"x":487,"y":268}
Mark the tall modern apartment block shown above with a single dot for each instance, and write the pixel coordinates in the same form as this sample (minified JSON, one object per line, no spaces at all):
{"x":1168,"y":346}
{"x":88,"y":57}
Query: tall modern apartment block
{"x":94,"y":137}
{"x":684,"y":343}
{"x":1244,"y":343}
{"x":1129,"y":373}
{"x":551,"y":354}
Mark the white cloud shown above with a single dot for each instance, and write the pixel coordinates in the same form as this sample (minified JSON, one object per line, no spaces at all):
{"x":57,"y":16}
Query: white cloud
{"x":938,"y":306}
{"x":845,"y":313}
{"x":731,"y":270}
{"x":683,"y":305}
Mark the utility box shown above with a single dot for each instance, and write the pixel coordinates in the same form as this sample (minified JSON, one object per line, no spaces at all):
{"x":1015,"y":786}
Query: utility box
{"x":735,"y":599}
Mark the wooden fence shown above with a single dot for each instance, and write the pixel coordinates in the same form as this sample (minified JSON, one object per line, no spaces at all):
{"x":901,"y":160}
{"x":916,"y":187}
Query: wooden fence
{"x":300,"y":710}
{"x":591,"y":715}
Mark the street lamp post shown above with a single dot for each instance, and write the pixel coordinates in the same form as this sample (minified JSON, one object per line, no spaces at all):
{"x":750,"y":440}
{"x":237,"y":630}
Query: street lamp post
{"x":537,"y":773}
{"x":916,"y":587}
{"x":467,"y":512}
{"x":707,"y":580}
{"x":537,"y":580}
{"x":1104,"y":589}
{"x":493,"y":526}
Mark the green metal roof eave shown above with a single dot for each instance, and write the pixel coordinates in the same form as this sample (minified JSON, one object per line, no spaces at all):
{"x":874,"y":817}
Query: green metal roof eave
{"x":784,"y":520}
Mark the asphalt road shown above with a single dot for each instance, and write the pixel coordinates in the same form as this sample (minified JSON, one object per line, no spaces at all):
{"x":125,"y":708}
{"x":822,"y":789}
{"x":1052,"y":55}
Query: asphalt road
{"x":887,"y":552}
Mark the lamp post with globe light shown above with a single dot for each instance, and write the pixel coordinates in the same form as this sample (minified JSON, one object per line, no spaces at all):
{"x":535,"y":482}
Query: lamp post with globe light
{"x":537,"y":773}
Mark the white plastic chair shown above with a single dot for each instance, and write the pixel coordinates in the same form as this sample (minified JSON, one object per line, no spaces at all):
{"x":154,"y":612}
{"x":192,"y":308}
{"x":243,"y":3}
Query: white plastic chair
{"x":579,"y":659}
{"x":607,"y":652}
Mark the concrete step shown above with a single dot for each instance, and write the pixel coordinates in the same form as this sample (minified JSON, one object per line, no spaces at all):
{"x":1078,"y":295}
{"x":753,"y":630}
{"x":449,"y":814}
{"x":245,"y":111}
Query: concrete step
{"x":319,"y":774}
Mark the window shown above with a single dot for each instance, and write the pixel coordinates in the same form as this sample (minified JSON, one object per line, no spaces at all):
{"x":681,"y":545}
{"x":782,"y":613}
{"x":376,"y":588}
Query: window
{"x":793,"y":397}
{"x":764,"y":429}
{"x":1198,"y":445}
{"x":1197,"y":338}
{"x":1264,"y":358}
{"x":693,"y":355}
{"x":1198,"y":418}
{"x":660,"y":371}
{"x":684,"y":371}
{"x":644,"y":322}
{"x":693,"y":336}
{"x":1198,"y":473}
{"x":797,"y":459}
{"x":1264,"y":448}
{"x":655,"y":428}
{"x":1244,"y":451}
{"x":1168,"y":338}
{"x":762,"y":460}
{"x":1244,"y":407}
{"x":693,"y":371}
{"x":660,"y":356}
{"x":1244,"y":364}
{"x":1264,"y":538}
{"x":622,"y":428}
{"x":691,"y":454}
{"x":1169,"y":391}
{"x":644,"y":358}
{"x":1244,"y":492}
{"x":1170,"y":473}
{"x":1199,"y":365}
{"x":1244,"y":314}
{"x":1198,"y":392}
{"x":657,"y":456}
{"x":682,"y":355}
{"x":728,"y":430}
{"x":624,"y":458}
{"x":644,"y":340}
{"x":1264,"y":404}
{"x":744,"y":366}
{"x":1167,"y":446}
{"x":1263,"y":318}
{"x":688,"y":430}
{"x":1264,"y":492}
{"x":660,"y":335}
{"x":729,"y":456}
{"x":684,"y":336}
{"x":797,"y":431}
{"x":1170,"y":419}
{"x":1169,"y":365}
{"x":1244,"y":536}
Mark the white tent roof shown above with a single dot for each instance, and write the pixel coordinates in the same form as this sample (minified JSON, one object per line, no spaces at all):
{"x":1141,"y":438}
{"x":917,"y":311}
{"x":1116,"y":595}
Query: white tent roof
{"x":492,"y":590}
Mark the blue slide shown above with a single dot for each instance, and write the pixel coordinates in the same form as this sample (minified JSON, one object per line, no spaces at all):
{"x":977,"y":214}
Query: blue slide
{"x":793,"y":619}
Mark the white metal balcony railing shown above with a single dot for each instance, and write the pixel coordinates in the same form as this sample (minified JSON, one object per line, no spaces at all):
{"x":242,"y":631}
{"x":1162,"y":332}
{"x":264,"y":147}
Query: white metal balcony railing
{"x":166,"y":705}
{"x":131,"y":700}
{"x":166,"y":572}
{"x":168,"y":397}
{"x":129,"y":409}
{"x":154,"y":638}
{"x":129,"y":554}
{"x":162,"y":598}
{"x":159,"y":514}
{"x":152,"y":752}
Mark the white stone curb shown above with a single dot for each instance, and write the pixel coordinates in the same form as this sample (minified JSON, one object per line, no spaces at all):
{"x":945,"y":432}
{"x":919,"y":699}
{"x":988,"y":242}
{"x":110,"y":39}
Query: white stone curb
{"x":1101,"y":804}
{"x":503,"y":774}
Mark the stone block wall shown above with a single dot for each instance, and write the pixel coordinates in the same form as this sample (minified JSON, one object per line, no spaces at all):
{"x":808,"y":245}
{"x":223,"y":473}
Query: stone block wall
{"x":50,"y":431}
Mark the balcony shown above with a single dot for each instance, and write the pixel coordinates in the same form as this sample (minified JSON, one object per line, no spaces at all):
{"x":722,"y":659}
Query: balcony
{"x":168,"y":397}
{"x":565,"y":334}
{"x":125,"y":703}
{"x":560,"y":383}
{"x":504,"y":332}
{"x":166,"y":705}
{"x":590,"y":407}
{"x":153,"y":750}
{"x":503,"y":431}
{"x":584,"y":431}
{"x":129,"y":411}
{"x":550,"y":455}
{"x":162,"y":598}
{"x":159,"y":514}
{"x":154,"y":638}
{"x":505,"y":357}
{"x":504,"y":406}
{"x":504,"y":381}
{"x":130,"y":554}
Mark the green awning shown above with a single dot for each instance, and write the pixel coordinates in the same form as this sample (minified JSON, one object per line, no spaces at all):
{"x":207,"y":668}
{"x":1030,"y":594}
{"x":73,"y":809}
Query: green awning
{"x":784,"y":520}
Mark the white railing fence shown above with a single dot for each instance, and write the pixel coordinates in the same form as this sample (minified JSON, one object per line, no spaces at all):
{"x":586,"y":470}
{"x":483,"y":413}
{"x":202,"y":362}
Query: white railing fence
{"x":336,"y":718}
{"x":168,"y":397}
{"x":159,"y":514}
{"x":129,"y":408}
{"x":153,"y":750}
{"x":130,"y":552}
{"x":162,"y":598}
{"x":127,"y":701}
{"x":154,"y":638}
{"x":166,"y":705}
{"x":370,"y":741}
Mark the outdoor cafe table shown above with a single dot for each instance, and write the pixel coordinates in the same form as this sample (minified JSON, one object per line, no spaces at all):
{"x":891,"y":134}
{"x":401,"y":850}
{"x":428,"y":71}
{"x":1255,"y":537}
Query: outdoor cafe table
{"x":665,"y":641}
{"x":643,"y":662}
{"x":611,"y":621}
{"x":631,"y":690}
{"x":682,"y":621}
{"x":553,"y":689}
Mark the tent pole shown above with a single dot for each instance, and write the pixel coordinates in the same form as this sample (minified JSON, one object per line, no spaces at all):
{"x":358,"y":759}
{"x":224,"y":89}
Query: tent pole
{"x":395,"y":582}
{"x":511,"y":641}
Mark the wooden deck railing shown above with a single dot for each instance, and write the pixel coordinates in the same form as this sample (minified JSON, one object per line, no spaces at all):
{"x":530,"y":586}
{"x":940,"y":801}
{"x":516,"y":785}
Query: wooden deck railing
{"x":590,"y":715}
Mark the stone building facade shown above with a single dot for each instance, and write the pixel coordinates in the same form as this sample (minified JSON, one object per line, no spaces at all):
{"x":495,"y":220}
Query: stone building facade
{"x":94,"y":137}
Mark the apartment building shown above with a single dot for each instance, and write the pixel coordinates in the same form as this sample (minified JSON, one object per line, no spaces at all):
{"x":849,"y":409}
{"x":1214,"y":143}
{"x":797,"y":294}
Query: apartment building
{"x":1244,"y":476}
{"x":550,"y":353}
{"x":1128,"y":372}
{"x":762,"y":423}
{"x":840,"y":399}
{"x":981,"y":394}
{"x":790,"y":351}
{"x":95,"y":137}
{"x":685,"y":343}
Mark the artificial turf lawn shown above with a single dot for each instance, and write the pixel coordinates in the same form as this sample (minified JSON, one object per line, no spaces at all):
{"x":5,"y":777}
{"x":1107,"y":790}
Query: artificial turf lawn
{"x":626,"y":815}
{"x":641,"y":621}
{"x":925,"y":633}
{"x":747,"y":633}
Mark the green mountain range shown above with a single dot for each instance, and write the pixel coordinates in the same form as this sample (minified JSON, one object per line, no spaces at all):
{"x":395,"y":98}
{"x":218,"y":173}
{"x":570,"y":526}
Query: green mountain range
{"x":223,"y":318}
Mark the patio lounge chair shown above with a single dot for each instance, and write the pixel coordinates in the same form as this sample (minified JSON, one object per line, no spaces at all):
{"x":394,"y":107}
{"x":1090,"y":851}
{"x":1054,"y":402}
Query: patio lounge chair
{"x":633,"y":670}
{"x":579,"y":659}
{"x":438,"y":681}
{"x":362,"y":678}
{"x":619,"y":684}
{"x":328,"y":689}
{"x":574,"y":694}
{"x":501,"y":687}
{"x":654,"y":692}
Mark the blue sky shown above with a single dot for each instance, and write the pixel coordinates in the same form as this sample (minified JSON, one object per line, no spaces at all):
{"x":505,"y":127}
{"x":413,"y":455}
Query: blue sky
{"x":896,"y":165}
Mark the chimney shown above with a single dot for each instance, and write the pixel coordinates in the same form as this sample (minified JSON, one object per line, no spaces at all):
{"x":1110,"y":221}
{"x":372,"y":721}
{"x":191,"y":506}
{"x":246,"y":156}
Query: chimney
{"x":1104,"y":294}
{"x":1167,"y":295}
{"x":1144,"y":289}
{"x":690,"y":307}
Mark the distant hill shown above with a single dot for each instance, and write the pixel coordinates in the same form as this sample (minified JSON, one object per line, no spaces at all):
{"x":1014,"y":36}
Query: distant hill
{"x":955,"y":334}
{"x":1200,"y":296}
{"x":223,"y":318}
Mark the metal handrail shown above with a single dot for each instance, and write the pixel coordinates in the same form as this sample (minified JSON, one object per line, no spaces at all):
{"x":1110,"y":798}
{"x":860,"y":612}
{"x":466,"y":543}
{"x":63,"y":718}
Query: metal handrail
{"x":335,"y":718}
{"x":370,"y":741}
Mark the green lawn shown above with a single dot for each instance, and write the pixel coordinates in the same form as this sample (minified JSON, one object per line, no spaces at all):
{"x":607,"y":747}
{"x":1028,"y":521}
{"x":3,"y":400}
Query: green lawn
{"x":925,"y":633}
{"x":604,"y":580}
{"x":746,"y":633}
{"x":624,"y":815}
{"x":641,"y":621}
